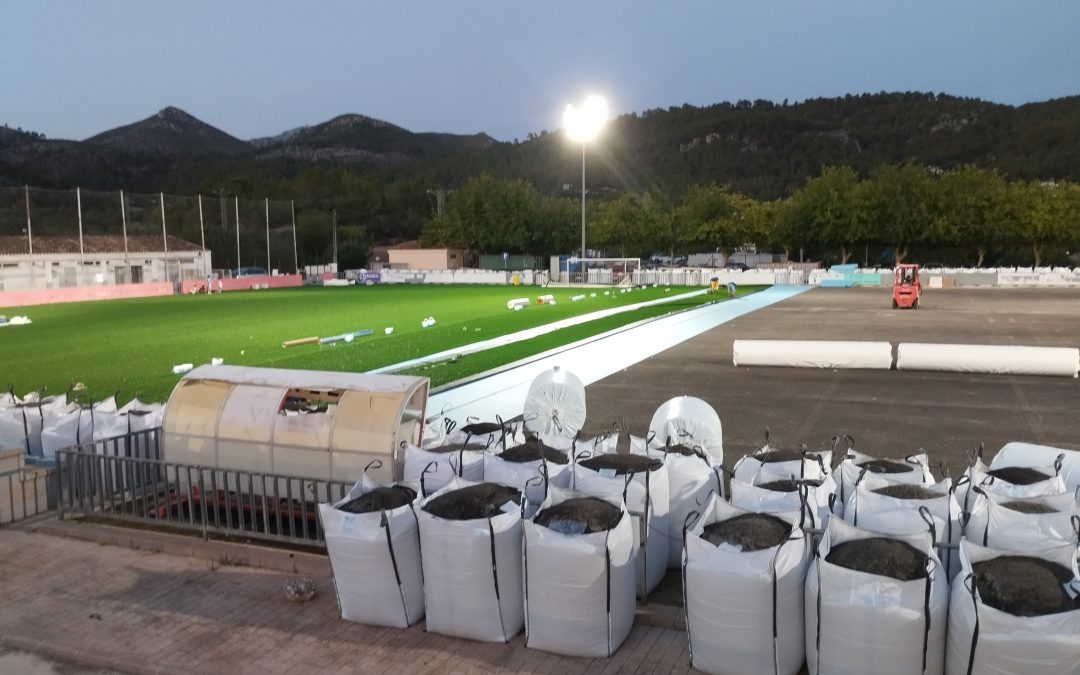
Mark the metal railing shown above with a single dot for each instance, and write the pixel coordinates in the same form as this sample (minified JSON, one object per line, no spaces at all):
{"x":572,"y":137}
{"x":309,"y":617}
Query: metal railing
{"x":208,"y":500}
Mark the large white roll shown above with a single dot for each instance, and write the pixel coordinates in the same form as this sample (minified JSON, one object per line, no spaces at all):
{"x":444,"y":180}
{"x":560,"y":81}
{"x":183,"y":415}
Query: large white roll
{"x":813,"y":354}
{"x":995,"y":359}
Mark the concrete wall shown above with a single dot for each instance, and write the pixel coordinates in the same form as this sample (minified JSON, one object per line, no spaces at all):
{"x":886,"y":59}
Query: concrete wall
{"x":49,"y":296}
{"x":55,"y":271}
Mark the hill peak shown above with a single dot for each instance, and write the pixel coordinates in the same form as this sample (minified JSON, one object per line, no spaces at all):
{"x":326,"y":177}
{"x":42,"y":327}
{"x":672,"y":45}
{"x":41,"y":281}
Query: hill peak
{"x":171,"y":131}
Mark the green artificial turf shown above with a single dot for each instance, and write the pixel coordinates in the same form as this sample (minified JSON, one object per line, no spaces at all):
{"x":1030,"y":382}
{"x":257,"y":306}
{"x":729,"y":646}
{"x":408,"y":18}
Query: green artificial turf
{"x":130,"y":346}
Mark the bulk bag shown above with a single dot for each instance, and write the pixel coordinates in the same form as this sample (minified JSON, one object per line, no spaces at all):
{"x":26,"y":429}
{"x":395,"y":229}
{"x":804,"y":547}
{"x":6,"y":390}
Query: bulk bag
{"x":801,"y":463}
{"x":692,"y":422}
{"x":434,"y":467}
{"x":642,"y":482}
{"x":1017,"y":482}
{"x":988,"y":632}
{"x":913,"y":469}
{"x":579,"y":575}
{"x":373,"y":540}
{"x":691,"y":478}
{"x":65,"y":430}
{"x":777,"y":492}
{"x":860,"y":621}
{"x":743,"y":575}
{"x":470,"y":543}
{"x":902,"y":508}
{"x":532,"y":467}
{"x":1006,"y":523}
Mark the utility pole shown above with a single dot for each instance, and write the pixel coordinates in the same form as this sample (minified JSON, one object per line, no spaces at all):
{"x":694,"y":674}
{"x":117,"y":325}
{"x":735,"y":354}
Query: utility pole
{"x":335,"y":238}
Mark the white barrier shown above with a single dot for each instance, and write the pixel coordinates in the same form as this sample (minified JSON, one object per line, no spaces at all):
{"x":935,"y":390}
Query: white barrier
{"x":999,"y":360}
{"x":812,"y":354}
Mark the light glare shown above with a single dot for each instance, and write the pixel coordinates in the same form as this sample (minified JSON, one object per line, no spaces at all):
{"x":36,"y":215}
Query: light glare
{"x":584,"y":124}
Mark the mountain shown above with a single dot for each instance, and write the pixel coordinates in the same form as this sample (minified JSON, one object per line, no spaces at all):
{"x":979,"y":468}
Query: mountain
{"x":358,"y":138}
{"x":171,"y":131}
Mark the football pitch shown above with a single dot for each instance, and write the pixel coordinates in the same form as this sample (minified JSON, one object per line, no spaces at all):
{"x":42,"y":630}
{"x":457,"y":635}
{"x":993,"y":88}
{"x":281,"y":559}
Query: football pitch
{"x":129,"y":347}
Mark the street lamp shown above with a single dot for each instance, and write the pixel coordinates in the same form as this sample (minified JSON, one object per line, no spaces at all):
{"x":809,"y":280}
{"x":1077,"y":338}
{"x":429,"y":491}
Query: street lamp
{"x":582,"y":126}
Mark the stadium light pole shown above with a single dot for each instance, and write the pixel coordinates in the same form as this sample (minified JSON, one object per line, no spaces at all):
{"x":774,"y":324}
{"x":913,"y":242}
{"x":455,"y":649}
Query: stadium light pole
{"x":583,"y":125}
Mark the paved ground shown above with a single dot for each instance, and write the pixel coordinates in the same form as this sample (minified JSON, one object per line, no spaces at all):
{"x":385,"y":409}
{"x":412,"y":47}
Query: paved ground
{"x":142,"y":612}
{"x":889,"y":413}
{"x":24,"y":663}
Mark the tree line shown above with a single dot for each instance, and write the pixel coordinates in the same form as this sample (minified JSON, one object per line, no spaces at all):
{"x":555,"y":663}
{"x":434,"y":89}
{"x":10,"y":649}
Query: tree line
{"x":963,"y":216}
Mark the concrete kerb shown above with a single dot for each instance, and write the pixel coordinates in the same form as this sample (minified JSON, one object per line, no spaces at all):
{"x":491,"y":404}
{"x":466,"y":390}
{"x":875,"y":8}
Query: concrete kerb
{"x":88,"y":658}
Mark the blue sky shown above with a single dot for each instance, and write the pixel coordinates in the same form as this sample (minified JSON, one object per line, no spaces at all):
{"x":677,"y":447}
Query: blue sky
{"x":72,"y":68}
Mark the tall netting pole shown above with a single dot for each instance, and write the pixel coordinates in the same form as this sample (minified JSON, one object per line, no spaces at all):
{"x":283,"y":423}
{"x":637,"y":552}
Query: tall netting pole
{"x":123,"y":221}
{"x":268,"y":269}
{"x":295,"y":258}
{"x":82,"y":263}
{"x":164,"y":236}
{"x":202,"y":237}
{"x":237,"y":204}
{"x":29,"y":235}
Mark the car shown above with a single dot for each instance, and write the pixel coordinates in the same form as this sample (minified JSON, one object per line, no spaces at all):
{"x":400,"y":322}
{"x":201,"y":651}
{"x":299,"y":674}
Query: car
{"x":248,"y":272}
{"x":743,"y":267}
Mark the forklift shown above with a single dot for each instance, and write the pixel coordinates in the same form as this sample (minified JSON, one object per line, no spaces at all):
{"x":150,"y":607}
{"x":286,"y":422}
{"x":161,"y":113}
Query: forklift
{"x":906,"y":287}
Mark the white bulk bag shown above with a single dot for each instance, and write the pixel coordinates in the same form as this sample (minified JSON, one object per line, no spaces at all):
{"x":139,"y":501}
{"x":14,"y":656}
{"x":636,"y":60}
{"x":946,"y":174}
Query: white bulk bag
{"x":647,"y":500}
{"x":848,"y":472}
{"x":987,"y":641}
{"x":146,"y":418}
{"x":1031,"y":454}
{"x":508,"y":431}
{"x":13,"y":427}
{"x":579,"y":589}
{"x":108,"y":404}
{"x":689,"y":421}
{"x":991,"y":524}
{"x":8,"y":400}
{"x":434,"y":470}
{"x":108,"y":424}
{"x":555,"y":404}
{"x":690,"y":481}
{"x":736,"y":600}
{"x":375,"y":560}
{"x":870,"y":510}
{"x":65,"y":430}
{"x":979,"y":477}
{"x":533,"y":478}
{"x":815,"y":501}
{"x":587,"y":447}
{"x":472,"y":572}
{"x":859,"y":623}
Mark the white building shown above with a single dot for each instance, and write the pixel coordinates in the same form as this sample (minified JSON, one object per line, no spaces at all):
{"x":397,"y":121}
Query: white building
{"x":61,"y":262}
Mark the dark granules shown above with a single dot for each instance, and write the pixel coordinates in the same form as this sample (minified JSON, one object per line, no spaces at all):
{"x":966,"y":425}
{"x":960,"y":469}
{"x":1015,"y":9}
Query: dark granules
{"x":785,"y":485}
{"x":681,"y":449}
{"x":776,"y":455}
{"x":881,"y":556}
{"x":886,"y":466}
{"x":621,"y":463}
{"x":1024,"y":586}
{"x":455,"y":447}
{"x":532,"y":451}
{"x":481,"y":428}
{"x":751,"y":532}
{"x":907,"y":492}
{"x":470,"y":503}
{"x":380,"y":499}
{"x":1028,"y":507}
{"x":1018,"y":475}
{"x":581,"y":515}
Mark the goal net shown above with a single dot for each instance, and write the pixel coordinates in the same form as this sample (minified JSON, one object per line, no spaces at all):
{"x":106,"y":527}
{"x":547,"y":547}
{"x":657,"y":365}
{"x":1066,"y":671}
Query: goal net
{"x":602,"y":271}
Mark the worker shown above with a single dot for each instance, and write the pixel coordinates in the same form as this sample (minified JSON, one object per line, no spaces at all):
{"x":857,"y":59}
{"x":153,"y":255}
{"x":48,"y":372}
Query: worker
{"x":731,"y":289}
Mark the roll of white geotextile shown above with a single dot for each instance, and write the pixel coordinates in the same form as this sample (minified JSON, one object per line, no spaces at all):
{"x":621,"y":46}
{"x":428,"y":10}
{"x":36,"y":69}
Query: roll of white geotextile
{"x":994,"y":359}
{"x":813,"y":354}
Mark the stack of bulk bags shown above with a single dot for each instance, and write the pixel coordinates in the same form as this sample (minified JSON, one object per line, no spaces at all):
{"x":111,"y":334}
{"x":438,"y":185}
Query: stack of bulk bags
{"x":1005,"y":522}
{"x":532,"y":467}
{"x":642,"y":482}
{"x":903,"y":508}
{"x":772,"y":491}
{"x":373,"y":540}
{"x":692,"y":476}
{"x":142,"y":416}
{"x":1013,"y":613}
{"x":108,"y":420}
{"x":74,"y":426}
{"x":470,"y":542}
{"x":579,"y":575}
{"x":913,"y":469}
{"x":1017,"y":482}
{"x":743,"y":576}
{"x":875,"y":604}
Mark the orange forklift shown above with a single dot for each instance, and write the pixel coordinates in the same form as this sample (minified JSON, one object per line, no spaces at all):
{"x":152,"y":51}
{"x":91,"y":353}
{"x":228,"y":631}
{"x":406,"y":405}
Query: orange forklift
{"x":906,"y":287}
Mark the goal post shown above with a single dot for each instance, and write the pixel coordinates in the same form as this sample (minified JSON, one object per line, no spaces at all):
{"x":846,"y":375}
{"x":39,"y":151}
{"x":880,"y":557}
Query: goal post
{"x":603,"y":271}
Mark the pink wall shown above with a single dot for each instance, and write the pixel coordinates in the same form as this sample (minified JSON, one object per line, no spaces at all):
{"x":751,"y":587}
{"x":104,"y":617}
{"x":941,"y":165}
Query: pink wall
{"x":243,"y":283}
{"x":49,"y":296}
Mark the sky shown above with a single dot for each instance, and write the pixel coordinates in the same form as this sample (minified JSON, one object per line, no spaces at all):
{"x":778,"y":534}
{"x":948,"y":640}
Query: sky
{"x":71,"y":69}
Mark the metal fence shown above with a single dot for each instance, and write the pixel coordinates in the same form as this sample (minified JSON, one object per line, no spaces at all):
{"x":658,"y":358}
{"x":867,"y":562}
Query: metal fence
{"x":120,"y":485}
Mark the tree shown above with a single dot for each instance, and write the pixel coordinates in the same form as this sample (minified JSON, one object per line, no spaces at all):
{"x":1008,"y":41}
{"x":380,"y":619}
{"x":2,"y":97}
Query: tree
{"x":974,"y":208}
{"x":710,"y":211}
{"x":901,"y":208}
{"x":832,"y":208}
{"x":622,"y":224}
{"x":487,"y":214}
{"x":1043,"y":213}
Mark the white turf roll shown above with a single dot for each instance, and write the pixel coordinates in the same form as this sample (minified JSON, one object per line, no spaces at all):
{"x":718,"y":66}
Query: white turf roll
{"x":812,"y":354}
{"x":995,"y":359}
